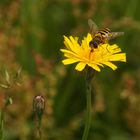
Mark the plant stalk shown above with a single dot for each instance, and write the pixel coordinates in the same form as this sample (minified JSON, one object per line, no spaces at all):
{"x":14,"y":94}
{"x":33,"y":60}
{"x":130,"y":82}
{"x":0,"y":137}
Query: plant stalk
{"x":1,"y":124}
{"x":89,"y":76}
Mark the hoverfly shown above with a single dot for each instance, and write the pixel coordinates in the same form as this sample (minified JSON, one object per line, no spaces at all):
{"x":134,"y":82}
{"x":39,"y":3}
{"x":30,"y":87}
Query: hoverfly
{"x":100,"y":36}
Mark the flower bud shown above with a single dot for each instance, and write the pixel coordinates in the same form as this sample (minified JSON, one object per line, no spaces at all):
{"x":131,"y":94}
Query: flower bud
{"x":39,"y":105}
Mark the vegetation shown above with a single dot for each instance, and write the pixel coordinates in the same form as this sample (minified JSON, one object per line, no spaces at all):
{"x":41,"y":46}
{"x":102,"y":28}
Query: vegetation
{"x":31,"y":36}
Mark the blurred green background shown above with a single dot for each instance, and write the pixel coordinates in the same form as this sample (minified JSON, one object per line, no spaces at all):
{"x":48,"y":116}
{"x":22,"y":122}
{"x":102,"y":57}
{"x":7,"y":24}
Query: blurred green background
{"x":31,"y":34}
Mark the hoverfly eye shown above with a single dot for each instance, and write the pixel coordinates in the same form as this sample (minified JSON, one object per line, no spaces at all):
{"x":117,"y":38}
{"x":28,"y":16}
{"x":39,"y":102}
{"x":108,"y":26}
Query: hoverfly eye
{"x":93,"y":44}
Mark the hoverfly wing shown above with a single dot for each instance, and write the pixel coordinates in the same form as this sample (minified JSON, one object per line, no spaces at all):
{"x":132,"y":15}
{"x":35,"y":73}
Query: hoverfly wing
{"x":113,"y":35}
{"x":93,"y":28}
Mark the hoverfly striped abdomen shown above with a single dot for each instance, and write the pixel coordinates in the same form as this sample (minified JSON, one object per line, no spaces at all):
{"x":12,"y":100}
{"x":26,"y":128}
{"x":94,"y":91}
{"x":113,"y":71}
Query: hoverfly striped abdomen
{"x":100,"y":36}
{"x":103,"y":33}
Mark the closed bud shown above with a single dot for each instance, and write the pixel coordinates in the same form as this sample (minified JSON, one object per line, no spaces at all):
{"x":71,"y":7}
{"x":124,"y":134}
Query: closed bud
{"x":39,"y":105}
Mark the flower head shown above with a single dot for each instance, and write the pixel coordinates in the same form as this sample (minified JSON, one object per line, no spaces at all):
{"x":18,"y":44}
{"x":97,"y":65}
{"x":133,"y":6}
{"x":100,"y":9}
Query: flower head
{"x":104,"y":54}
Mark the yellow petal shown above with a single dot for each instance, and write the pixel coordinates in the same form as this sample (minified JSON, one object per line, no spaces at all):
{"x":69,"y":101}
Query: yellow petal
{"x":76,"y":38}
{"x":89,"y":38}
{"x":69,"y":52}
{"x":66,"y":51}
{"x":110,"y":49}
{"x":111,"y":65}
{"x":68,"y":43}
{"x":114,"y":46}
{"x":72,"y":44}
{"x":75,"y":43}
{"x":80,"y":66}
{"x":100,"y":64}
{"x":69,"y":61}
{"x":118,"y":57}
{"x":85,"y":42}
{"x":94,"y":66}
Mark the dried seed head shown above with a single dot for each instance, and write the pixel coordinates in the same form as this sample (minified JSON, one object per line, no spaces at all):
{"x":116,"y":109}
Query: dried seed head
{"x":39,"y":105}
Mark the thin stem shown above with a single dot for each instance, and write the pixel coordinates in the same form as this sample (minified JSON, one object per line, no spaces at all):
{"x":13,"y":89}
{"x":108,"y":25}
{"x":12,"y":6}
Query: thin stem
{"x":1,"y":124}
{"x":8,"y":101}
{"x":88,"y":113}
{"x":89,"y":74}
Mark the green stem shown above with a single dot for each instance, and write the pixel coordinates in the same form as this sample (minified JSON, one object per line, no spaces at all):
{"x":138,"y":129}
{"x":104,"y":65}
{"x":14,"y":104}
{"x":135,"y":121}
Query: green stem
{"x":88,"y":113}
{"x":1,"y":124}
{"x":8,"y":101}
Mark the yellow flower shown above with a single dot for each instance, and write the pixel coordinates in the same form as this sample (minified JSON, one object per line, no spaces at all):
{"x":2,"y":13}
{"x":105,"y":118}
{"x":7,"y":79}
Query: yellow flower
{"x":105,"y":54}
